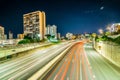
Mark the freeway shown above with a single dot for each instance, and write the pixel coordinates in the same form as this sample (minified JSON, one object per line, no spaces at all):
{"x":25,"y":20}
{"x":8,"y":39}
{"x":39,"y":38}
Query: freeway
{"x":22,"y":68}
{"x":74,"y":66}
{"x":13,"y":49}
{"x":101,"y":67}
{"x":82,"y":62}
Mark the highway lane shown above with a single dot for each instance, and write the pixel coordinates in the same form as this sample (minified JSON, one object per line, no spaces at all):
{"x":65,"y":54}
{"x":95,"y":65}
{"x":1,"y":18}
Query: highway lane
{"x":12,"y":49}
{"x":23,"y":67}
{"x":101,"y":68}
{"x":74,"y":66}
{"x":82,"y":62}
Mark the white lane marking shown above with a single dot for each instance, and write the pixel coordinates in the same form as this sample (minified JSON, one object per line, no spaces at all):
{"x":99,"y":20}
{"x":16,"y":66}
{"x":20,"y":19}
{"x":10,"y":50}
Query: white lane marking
{"x":80,"y":67}
{"x":16,"y":69}
{"x":73,"y":61}
{"x":11,"y":65}
{"x":65,"y":60}
{"x":67,"y":78}
{"x":93,"y":76}
{"x":90,"y":67}
{"x":44,"y":51}
{"x":26,"y":70}
{"x":20,"y":61}
{"x":55,"y":77}
{"x":23,"y":59}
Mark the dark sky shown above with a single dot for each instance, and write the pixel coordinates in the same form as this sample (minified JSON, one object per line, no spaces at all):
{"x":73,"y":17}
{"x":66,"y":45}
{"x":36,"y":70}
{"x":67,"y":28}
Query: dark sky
{"x":76,"y":16}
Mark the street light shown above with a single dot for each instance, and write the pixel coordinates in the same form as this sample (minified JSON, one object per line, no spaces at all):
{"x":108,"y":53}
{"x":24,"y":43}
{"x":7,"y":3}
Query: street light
{"x":94,"y":35}
{"x":100,"y":31}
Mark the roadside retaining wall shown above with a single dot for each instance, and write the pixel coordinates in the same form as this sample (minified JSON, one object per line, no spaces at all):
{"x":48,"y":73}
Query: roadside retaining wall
{"x":109,"y":50}
{"x":17,"y":54}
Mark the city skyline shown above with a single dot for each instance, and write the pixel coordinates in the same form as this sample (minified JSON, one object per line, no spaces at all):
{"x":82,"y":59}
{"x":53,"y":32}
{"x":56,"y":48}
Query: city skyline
{"x":60,"y":40}
{"x":75,"y":16}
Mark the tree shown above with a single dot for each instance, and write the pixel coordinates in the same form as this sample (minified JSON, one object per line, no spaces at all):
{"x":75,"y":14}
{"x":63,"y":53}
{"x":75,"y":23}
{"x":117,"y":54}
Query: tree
{"x":48,"y":36}
{"x":107,"y":33}
{"x":27,"y":37}
{"x":117,"y":40}
{"x":24,"y":41}
{"x":94,"y":35}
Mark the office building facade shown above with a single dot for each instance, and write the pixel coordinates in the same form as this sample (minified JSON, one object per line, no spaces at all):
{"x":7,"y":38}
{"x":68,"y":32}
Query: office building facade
{"x":58,"y":36}
{"x":10,"y":35}
{"x":1,"y":33}
{"x":35,"y":24}
{"x":69,"y":36}
{"x":52,"y":30}
{"x":20,"y":36}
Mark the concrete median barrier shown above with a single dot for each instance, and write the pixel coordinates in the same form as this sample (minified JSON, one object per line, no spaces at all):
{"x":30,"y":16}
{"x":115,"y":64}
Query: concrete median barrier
{"x":44,"y":70}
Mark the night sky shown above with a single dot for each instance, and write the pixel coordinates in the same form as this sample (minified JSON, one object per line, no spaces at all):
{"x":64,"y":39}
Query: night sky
{"x":75,"y":16}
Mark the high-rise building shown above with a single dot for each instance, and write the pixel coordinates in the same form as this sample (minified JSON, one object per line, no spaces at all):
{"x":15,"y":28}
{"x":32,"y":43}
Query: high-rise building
{"x":58,"y":36}
{"x":35,"y":24}
{"x":69,"y":35}
{"x":52,"y":30}
{"x":44,"y":23}
{"x":10,"y":35}
{"x":20,"y":36}
{"x":5,"y":36}
{"x":1,"y":32}
{"x":48,"y":29}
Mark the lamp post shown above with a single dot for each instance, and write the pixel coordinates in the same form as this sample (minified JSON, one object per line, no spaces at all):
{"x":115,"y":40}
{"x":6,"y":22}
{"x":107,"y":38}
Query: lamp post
{"x":100,"y":31}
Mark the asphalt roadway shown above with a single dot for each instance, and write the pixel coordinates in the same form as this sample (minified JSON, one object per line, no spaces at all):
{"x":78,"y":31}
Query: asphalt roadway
{"x":82,"y":62}
{"x":25,"y":66}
